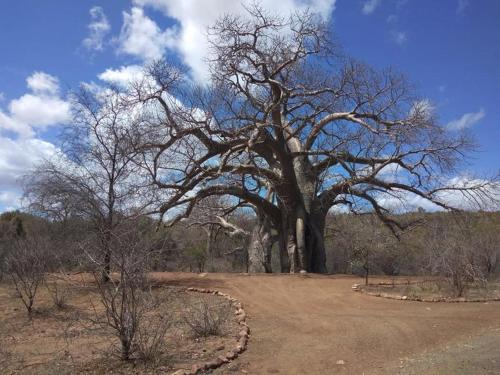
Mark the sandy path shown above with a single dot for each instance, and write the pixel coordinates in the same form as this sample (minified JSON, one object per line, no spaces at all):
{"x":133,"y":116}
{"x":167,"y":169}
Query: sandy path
{"x":304,"y":325}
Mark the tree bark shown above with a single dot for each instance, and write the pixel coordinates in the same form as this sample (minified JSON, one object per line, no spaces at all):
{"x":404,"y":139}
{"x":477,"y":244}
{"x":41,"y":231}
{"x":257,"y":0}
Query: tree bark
{"x":316,"y":243}
{"x":306,"y":221}
{"x":303,"y":239}
{"x":259,"y":249}
{"x":106,"y":271}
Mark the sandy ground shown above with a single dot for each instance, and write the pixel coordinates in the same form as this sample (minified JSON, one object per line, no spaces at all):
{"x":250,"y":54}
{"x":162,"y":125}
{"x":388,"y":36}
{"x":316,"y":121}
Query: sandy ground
{"x":69,"y":341}
{"x":317,"y":325}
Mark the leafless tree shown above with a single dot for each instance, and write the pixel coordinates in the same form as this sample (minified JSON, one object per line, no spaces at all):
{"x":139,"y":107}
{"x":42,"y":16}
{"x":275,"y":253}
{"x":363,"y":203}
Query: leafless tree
{"x":454,"y":254}
{"x":26,"y":266}
{"x":285,"y":116}
{"x":214,"y":215}
{"x":127,"y":298}
{"x":95,"y":178}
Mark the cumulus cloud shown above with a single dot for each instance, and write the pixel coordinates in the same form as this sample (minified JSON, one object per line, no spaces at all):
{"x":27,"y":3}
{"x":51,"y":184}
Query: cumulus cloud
{"x":369,"y":6}
{"x":43,"y":83}
{"x":41,"y":108}
{"x":9,"y":200}
{"x":98,"y":27}
{"x":122,"y":76}
{"x":39,"y":111}
{"x":188,"y":36}
{"x":17,"y":157}
{"x":401,"y":201}
{"x":467,"y":120}
{"x":140,"y":36}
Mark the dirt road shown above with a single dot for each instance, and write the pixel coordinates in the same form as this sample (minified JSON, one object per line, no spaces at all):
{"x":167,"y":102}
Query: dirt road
{"x":318,"y":325}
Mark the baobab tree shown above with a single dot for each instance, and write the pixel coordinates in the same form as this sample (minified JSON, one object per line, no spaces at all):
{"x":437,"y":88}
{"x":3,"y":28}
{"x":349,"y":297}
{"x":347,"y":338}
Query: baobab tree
{"x":290,"y":126}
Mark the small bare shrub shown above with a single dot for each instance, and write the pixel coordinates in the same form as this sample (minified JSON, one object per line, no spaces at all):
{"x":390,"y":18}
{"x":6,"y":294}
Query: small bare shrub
{"x":59,"y":294}
{"x":208,"y":318}
{"x":125,"y":302}
{"x":150,"y":338}
{"x":127,"y":297}
{"x":26,"y":268}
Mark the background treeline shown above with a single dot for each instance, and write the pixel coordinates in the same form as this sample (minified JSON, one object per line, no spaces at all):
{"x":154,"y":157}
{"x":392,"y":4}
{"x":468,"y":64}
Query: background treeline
{"x":455,"y":245}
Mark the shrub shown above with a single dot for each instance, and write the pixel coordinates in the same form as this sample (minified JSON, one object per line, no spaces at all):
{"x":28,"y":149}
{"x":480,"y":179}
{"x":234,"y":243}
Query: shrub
{"x":26,"y":268}
{"x":207,"y":318}
{"x":127,"y":296}
{"x":150,"y":338}
{"x":59,"y":293}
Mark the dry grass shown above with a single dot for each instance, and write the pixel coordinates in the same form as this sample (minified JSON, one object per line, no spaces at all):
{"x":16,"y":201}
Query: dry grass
{"x":437,"y":289}
{"x":207,"y":318}
{"x":69,"y":341}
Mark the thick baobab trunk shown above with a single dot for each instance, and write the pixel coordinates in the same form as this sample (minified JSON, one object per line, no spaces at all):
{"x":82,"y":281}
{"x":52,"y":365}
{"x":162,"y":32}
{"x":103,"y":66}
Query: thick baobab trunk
{"x":260,"y":246}
{"x":283,"y":241}
{"x":315,"y":243}
{"x":305,"y":235}
{"x":304,"y":229}
{"x":305,"y":245}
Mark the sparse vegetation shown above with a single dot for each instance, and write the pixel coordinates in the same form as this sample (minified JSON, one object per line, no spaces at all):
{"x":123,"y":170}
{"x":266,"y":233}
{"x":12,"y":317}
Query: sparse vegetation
{"x":290,"y":158}
{"x":128,"y":297}
{"x":59,"y":293}
{"x":26,"y":266}
{"x":150,"y":339}
{"x":207,"y":319}
{"x":82,"y":341}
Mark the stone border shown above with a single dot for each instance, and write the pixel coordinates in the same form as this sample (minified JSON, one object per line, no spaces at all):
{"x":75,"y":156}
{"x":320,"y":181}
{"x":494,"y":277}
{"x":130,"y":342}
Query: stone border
{"x":359,"y":288}
{"x":242,"y":342}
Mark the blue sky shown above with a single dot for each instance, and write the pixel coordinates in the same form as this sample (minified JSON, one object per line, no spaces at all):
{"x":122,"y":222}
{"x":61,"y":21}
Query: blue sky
{"x":450,"y":49}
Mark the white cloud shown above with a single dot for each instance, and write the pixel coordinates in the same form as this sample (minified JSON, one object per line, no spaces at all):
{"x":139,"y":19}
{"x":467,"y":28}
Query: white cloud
{"x":10,"y":124}
{"x":461,"y":6}
{"x":399,"y":37}
{"x":41,"y":108}
{"x":142,"y":37}
{"x":467,"y":120}
{"x":98,"y":27}
{"x":10,"y":200}
{"x":43,"y":83}
{"x":188,"y":37}
{"x":39,"y":111}
{"x":401,"y":201}
{"x":369,"y":6}
{"x":17,"y":157}
{"x":123,"y":75}
{"x":391,"y":172}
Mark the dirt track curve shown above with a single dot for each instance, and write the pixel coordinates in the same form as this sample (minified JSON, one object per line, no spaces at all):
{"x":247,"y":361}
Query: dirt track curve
{"x":317,"y":325}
